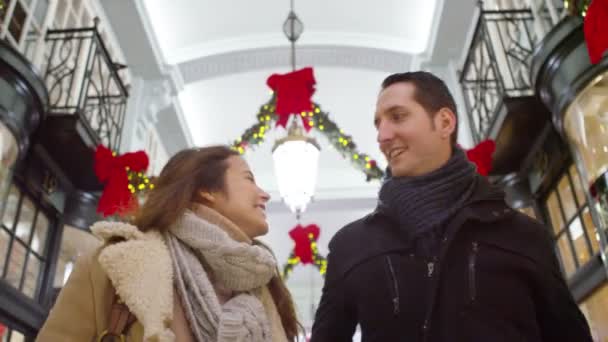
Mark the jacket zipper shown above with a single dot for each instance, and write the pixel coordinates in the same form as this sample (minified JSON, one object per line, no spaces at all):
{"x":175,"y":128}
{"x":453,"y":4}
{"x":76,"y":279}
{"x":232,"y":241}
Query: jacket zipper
{"x":395,"y":285}
{"x":472,"y":271}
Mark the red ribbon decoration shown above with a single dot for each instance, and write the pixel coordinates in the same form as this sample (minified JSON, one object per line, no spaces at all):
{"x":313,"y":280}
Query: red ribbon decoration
{"x":301,"y":236}
{"x":293,"y":91}
{"x":596,"y":29}
{"x":481,"y":156}
{"x":112,"y":171}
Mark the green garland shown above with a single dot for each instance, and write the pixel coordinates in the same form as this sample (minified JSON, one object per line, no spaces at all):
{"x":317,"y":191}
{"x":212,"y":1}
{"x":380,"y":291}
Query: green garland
{"x":139,"y":183}
{"x":320,"y":121}
{"x":577,"y":7}
{"x":319,"y":261}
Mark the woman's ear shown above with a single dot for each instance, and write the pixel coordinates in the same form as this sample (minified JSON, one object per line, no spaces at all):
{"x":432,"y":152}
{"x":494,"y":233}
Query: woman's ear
{"x":206,"y":197}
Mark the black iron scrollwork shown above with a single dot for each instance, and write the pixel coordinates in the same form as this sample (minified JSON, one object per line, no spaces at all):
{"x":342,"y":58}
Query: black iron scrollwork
{"x":497,"y":65}
{"x":83,"y":80}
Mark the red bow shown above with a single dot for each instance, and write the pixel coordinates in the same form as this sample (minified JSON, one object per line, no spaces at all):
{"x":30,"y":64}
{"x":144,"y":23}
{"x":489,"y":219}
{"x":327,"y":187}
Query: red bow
{"x":303,"y":236}
{"x":294,"y":91}
{"x":596,"y":29}
{"x":481,"y":156}
{"x":112,"y":170}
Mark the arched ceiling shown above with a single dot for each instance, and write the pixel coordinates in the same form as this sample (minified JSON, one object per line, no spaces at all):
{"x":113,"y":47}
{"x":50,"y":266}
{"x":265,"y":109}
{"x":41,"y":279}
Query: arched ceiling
{"x":191,"y":29}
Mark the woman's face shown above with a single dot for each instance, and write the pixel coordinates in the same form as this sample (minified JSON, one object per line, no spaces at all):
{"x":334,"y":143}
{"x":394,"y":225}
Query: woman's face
{"x":242,"y":201}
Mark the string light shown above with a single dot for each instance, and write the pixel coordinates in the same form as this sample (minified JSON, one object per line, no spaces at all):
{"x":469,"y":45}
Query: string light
{"x":319,"y":261}
{"x":139,"y":182}
{"x":317,"y":119}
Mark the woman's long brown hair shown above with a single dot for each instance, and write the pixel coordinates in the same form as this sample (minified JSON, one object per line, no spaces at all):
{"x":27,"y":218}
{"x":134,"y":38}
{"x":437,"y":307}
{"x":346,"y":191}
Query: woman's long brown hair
{"x":177,"y":187}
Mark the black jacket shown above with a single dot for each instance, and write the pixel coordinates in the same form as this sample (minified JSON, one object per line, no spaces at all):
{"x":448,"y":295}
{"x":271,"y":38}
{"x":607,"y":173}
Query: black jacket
{"x":495,"y":278}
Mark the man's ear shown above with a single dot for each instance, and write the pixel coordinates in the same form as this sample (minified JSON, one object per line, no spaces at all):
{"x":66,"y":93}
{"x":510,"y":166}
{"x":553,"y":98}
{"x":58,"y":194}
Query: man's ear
{"x":445,"y":122}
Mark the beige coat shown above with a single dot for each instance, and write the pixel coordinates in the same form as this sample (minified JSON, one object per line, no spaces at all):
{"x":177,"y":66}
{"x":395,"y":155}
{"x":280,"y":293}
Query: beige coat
{"x":141,"y":271}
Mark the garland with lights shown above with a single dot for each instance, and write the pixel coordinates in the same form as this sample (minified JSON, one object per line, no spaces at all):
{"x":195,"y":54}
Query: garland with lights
{"x":139,"y":183}
{"x":319,"y":120}
{"x":577,"y":7}
{"x":305,"y":250}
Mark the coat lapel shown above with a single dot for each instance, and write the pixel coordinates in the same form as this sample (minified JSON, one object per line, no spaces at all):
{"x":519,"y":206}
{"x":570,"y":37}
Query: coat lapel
{"x":139,"y":266}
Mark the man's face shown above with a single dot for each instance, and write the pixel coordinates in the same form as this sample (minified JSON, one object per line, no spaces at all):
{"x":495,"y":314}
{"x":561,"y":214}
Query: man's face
{"x":412,"y":142}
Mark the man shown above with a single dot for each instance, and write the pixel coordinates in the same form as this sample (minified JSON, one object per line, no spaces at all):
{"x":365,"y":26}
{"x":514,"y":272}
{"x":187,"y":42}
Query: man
{"x":442,"y":258}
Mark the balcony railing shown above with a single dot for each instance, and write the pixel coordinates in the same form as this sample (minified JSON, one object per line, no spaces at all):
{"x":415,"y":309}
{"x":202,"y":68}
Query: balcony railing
{"x":497,"y":65}
{"x":83,"y":80}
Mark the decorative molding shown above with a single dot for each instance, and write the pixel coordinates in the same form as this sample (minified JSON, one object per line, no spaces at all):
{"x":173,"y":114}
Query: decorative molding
{"x":402,"y":45}
{"x":181,"y":118}
{"x":174,"y":76}
{"x":158,"y":95}
{"x":318,"y":56}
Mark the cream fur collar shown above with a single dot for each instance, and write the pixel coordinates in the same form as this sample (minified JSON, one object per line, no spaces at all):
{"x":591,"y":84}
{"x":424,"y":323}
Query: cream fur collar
{"x":141,"y":271}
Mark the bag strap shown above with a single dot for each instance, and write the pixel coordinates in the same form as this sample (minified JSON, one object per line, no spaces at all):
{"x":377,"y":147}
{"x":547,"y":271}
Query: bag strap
{"x":121,"y":319}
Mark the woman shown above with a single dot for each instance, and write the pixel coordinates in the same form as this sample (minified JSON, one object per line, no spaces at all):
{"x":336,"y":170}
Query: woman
{"x":188,"y":269}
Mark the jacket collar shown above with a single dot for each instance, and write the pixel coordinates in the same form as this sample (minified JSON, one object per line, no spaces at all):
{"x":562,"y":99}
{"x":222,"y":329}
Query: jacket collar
{"x":139,"y":267}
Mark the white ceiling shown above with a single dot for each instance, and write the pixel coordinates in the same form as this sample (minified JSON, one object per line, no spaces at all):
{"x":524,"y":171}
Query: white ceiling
{"x":188,"y":29}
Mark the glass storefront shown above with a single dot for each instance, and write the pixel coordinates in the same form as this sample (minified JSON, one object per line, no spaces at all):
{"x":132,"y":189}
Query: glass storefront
{"x":586,"y":126}
{"x":575,"y":234}
{"x":24,"y":230}
{"x":8,"y":156}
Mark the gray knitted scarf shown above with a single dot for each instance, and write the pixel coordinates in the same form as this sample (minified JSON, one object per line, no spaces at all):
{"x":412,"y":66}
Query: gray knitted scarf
{"x":204,"y":254}
{"x":423,"y":204}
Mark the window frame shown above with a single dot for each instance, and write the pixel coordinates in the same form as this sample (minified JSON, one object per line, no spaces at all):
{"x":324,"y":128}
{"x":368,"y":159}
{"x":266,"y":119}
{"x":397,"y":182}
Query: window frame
{"x":565,"y":229}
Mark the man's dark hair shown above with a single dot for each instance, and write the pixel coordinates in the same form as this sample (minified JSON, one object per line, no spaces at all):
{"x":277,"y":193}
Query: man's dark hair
{"x":431,"y":93}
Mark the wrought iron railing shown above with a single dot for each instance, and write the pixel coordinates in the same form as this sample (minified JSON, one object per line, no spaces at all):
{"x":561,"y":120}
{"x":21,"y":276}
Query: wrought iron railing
{"x":497,"y":65}
{"x":83,"y":80}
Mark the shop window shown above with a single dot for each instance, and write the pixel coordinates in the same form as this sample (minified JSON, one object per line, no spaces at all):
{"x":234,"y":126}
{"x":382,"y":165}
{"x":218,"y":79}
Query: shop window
{"x":17,"y":21}
{"x":22,"y":26}
{"x":575,"y":234}
{"x":24,"y":230}
{"x":8,"y":157}
{"x":586,"y":126}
